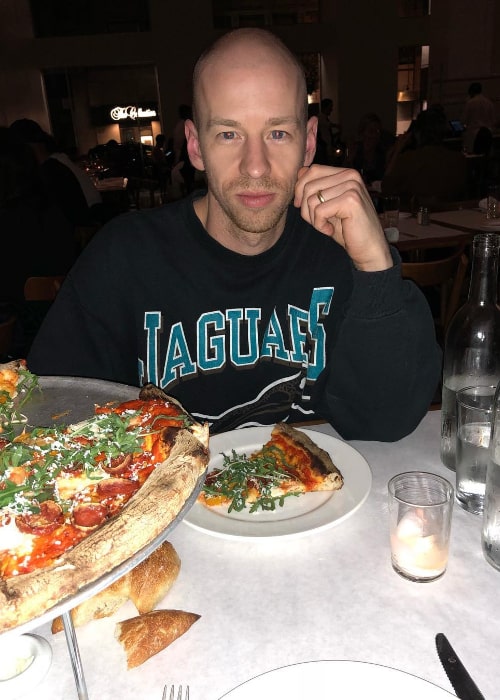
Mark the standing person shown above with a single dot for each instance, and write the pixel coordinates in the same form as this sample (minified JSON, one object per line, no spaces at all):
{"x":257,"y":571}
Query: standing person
{"x":479,"y":118}
{"x":328,"y":134}
{"x":183,"y":173}
{"x":271,"y":296}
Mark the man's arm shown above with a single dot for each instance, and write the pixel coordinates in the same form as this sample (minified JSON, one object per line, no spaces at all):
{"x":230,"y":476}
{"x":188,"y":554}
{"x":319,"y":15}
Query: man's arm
{"x":384,"y":368}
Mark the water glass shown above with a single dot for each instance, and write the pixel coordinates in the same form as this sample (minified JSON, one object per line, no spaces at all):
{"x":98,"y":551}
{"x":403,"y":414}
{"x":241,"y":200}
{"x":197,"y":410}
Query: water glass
{"x":491,"y":515}
{"x":493,"y":202}
{"x":474,"y":422}
{"x":420,"y":508}
{"x":390,"y":211}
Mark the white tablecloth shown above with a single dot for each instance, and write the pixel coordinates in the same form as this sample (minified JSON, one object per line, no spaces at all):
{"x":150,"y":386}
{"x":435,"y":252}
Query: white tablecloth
{"x":329,"y":595}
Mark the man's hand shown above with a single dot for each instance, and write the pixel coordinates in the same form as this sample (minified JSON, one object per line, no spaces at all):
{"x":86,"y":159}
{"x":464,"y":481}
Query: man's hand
{"x":335,"y":202}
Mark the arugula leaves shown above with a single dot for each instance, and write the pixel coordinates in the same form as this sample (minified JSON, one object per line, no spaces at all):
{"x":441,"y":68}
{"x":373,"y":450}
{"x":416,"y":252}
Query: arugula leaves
{"x":240,"y":473}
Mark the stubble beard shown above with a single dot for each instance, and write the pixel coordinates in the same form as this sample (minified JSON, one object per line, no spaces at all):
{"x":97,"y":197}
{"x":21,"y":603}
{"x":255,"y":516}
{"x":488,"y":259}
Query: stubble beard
{"x":254,"y":221}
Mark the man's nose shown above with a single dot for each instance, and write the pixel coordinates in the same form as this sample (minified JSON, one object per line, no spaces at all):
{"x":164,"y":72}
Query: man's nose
{"x":255,"y":159}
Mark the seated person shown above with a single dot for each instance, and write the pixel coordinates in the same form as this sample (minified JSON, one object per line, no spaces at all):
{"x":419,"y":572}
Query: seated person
{"x":273,"y":295}
{"x":368,"y":153}
{"x":429,"y":174}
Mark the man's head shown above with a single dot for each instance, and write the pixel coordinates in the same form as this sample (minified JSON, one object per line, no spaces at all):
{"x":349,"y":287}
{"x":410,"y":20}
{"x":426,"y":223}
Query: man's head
{"x":475,"y":89}
{"x":249,"y":131}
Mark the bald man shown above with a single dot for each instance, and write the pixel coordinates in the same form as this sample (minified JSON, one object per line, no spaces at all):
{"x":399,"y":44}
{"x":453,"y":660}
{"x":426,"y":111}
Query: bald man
{"x":273,"y":295}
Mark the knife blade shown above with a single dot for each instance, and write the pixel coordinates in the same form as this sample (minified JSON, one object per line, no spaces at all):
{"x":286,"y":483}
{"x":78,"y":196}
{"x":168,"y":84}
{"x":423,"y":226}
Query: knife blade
{"x":459,"y":677}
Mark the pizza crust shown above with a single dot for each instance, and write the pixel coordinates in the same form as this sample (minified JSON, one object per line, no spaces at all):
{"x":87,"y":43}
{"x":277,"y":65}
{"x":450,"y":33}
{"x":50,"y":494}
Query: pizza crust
{"x":145,"y":516}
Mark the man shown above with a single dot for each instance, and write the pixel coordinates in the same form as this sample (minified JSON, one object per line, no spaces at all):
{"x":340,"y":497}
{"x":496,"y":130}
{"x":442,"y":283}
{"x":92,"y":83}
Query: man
{"x":245,"y":307}
{"x":479,"y":118}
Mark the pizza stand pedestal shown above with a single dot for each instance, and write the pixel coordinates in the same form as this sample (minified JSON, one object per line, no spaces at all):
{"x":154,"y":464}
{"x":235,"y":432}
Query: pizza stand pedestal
{"x":70,"y":400}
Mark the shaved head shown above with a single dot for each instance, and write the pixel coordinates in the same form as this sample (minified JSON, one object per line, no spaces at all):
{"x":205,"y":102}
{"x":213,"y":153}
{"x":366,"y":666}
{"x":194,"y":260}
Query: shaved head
{"x":247,"y":48}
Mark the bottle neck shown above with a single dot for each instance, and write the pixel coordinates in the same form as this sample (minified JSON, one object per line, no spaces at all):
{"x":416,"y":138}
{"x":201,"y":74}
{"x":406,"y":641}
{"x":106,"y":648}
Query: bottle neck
{"x":483,"y":281}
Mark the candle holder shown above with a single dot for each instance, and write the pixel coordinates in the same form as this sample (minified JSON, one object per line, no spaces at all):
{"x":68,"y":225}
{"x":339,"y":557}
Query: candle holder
{"x":420,"y":508}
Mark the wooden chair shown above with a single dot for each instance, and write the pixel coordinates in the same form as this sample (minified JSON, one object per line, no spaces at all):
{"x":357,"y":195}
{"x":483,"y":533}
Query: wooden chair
{"x":448,"y":275}
{"x":42,"y":288}
{"x":6,"y":336}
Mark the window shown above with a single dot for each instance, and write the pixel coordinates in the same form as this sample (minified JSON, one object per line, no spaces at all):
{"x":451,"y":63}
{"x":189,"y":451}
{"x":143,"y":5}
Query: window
{"x":260,"y":13}
{"x":83,"y":17}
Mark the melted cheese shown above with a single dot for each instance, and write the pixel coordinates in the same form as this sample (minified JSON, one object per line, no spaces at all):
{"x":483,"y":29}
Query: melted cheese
{"x":11,"y":538}
{"x":68,"y":486}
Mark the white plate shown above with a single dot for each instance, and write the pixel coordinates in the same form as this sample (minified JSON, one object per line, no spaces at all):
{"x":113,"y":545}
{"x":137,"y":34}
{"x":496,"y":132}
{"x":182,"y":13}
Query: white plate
{"x":14,"y":650}
{"x":310,"y":512}
{"x":346,"y":680}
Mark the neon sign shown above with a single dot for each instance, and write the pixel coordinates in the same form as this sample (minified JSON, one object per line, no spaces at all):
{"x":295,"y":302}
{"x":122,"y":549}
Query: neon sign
{"x":131,"y":112}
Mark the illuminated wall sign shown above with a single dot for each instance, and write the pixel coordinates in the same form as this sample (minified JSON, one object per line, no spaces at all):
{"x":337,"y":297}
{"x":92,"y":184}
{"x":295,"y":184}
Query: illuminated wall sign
{"x":131,"y":112}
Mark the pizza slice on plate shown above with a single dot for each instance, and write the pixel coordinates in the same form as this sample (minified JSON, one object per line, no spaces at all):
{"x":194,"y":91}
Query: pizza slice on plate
{"x":289,"y":464}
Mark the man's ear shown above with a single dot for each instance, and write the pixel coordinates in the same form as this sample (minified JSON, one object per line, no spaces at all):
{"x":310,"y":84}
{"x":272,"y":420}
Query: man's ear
{"x":312,"y":129}
{"x":193,"y":145}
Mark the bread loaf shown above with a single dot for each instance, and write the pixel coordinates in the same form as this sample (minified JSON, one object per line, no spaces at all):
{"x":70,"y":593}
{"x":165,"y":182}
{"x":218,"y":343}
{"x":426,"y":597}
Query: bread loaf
{"x":145,"y":586}
{"x":146,"y":635}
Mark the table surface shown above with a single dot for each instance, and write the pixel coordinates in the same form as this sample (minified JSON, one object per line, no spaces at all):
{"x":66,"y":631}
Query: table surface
{"x":327,"y":595}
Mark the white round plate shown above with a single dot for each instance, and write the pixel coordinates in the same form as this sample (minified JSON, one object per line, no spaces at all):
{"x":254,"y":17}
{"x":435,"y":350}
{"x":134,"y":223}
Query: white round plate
{"x":325,"y":680}
{"x":310,"y":512}
{"x":24,"y":647}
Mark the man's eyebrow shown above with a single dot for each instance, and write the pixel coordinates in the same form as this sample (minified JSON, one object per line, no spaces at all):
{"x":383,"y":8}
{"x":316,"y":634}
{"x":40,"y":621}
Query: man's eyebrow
{"x":273,"y":121}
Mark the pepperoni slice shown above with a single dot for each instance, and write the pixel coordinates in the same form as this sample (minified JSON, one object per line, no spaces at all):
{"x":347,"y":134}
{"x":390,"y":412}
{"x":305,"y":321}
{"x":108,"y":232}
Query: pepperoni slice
{"x":88,"y":515}
{"x":47,"y":520}
{"x":116,"y":486}
{"x":118,"y":465}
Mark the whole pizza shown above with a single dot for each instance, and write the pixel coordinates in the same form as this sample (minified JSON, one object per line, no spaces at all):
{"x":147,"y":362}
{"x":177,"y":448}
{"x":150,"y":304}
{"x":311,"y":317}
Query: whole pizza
{"x":78,"y":500}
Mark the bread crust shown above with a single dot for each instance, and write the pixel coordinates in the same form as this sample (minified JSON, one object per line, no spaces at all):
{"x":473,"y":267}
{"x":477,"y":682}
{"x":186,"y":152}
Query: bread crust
{"x":146,"y":515}
{"x":145,"y":586}
{"x":146,"y":635}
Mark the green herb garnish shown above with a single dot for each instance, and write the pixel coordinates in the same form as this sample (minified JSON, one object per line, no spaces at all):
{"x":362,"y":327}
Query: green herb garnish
{"x":240,"y":473}
{"x":10,"y":407}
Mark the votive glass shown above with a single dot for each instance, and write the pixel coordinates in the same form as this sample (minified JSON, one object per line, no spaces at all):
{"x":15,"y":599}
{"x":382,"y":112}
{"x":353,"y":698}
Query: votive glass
{"x":420,"y":508}
{"x":390,"y":205}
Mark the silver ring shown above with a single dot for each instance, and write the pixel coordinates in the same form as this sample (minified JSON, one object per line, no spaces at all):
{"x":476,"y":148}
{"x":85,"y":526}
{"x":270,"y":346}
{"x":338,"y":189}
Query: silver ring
{"x":319,"y":195}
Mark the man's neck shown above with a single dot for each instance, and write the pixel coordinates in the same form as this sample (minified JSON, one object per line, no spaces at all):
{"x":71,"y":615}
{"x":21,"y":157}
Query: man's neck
{"x":233,"y":238}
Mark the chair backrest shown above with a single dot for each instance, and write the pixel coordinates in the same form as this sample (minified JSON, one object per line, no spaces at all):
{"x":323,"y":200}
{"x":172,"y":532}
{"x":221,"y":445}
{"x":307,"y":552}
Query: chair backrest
{"x":448,"y":274}
{"x":42,"y":288}
{"x":6,"y":334}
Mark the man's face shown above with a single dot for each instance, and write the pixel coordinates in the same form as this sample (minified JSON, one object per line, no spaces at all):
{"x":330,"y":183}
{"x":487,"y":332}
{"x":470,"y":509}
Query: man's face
{"x":252,"y":139}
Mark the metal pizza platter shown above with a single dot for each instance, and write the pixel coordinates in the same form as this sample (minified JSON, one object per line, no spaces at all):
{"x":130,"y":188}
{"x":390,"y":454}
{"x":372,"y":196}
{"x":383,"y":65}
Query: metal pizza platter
{"x":64,"y":400}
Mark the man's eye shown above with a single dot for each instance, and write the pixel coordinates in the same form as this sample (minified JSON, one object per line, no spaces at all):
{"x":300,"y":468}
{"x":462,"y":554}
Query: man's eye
{"x":278,"y":134}
{"x":228,"y":135}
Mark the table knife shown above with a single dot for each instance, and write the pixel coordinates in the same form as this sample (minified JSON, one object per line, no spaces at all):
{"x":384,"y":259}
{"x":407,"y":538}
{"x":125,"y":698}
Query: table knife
{"x":462,"y":683}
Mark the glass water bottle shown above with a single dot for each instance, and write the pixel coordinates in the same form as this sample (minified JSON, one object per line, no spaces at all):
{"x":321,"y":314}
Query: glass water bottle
{"x":472,"y":344}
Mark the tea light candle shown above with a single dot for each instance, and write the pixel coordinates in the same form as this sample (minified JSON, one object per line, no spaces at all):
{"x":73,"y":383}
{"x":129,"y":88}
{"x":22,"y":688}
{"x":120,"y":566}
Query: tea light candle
{"x":418,"y":555}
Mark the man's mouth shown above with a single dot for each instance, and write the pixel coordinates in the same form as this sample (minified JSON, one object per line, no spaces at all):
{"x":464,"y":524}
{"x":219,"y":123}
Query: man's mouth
{"x":256,"y":200}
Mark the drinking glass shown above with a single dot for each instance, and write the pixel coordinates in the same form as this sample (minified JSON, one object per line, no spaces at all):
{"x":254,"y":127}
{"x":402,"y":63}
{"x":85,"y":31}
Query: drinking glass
{"x":390,"y":211}
{"x":474,"y":420}
{"x":420,"y":508}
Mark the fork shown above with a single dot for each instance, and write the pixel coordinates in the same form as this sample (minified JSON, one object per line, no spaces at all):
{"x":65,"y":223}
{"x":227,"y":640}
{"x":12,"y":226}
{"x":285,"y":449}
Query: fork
{"x":173,"y":696}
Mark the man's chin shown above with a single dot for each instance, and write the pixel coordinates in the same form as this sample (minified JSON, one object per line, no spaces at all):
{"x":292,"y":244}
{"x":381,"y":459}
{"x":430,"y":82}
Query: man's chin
{"x":259,"y":221}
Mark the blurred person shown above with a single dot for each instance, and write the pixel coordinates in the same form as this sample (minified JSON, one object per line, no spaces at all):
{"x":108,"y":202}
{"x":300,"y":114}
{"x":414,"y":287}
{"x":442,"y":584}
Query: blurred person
{"x":66,"y":183}
{"x":328,"y":134}
{"x":272,"y":295}
{"x":479,"y":119}
{"x":35,"y":236}
{"x":368,"y":153}
{"x":183,"y":173}
{"x":429,"y":174}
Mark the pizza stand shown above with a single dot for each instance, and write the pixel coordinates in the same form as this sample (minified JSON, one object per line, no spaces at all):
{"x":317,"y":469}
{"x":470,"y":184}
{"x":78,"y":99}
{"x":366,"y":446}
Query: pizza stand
{"x":70,"y":400}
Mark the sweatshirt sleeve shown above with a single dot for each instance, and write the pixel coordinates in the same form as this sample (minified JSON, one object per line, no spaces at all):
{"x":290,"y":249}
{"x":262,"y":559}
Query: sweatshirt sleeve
{"x":386,"y":363}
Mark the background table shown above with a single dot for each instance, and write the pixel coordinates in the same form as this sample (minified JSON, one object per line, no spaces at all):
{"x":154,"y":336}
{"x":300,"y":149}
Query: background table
{"x":331,"y":595}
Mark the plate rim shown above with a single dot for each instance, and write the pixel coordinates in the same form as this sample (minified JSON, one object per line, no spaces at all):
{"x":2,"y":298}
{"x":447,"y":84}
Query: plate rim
{"x":346,"y":662}
{"x":264,"y":432}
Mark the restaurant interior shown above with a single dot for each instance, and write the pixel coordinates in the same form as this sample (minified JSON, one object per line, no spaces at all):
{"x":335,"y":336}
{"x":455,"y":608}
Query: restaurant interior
{"x":282,"y":614}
